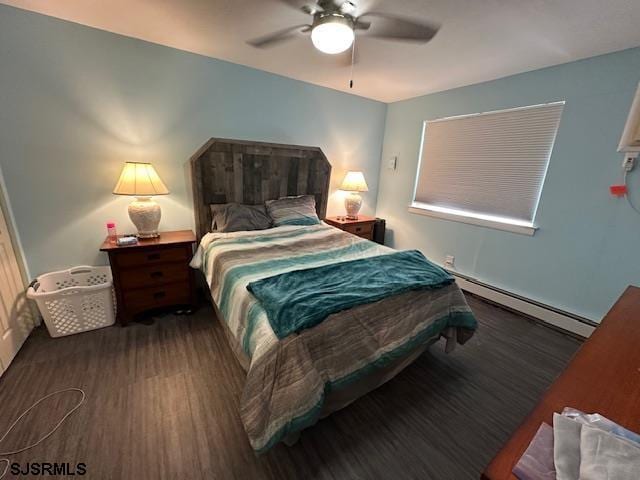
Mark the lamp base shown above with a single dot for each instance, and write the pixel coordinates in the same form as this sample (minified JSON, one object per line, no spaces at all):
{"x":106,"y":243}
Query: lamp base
{"x":352,"y":204}
{"x":145,"y":214}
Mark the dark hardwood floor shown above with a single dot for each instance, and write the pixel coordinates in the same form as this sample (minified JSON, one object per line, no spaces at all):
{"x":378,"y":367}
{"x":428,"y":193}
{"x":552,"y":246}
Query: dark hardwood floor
{"x":162,"y":402}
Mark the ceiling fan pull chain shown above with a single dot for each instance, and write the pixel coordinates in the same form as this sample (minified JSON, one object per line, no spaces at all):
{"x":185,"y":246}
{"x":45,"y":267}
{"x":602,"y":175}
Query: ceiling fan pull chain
{"x":353,"y":57}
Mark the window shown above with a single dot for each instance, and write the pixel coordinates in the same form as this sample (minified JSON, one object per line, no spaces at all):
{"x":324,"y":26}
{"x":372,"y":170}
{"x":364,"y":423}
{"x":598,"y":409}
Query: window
{"x":487,"y":168}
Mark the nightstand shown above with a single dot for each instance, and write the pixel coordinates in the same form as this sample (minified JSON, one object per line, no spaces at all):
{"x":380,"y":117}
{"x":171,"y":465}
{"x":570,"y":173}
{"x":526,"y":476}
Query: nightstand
{"x":152,"y":274}
{"x":362,"y":227}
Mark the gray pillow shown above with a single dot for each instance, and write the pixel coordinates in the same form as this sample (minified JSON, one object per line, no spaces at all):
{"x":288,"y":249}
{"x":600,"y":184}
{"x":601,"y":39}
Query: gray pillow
{"x":293,"y":210}
{"x":236,"y":217}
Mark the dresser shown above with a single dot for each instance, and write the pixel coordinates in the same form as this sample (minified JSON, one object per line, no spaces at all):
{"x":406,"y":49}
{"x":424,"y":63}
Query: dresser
{"x":153,"y":274}
{"x":362,"y":227}
{"x":603,"y":377}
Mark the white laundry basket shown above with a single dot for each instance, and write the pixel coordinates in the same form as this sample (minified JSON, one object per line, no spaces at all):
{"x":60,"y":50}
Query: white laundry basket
{"x":75,"y":300}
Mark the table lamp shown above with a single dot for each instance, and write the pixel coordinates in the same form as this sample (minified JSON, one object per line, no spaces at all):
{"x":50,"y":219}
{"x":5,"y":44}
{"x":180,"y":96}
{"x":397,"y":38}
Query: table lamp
{"x":353,"y":183}
{"x":141,"y":181}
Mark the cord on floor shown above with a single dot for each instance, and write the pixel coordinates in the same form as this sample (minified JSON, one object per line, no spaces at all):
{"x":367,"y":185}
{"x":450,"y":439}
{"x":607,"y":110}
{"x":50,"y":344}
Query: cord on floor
{"x":51,"y":432}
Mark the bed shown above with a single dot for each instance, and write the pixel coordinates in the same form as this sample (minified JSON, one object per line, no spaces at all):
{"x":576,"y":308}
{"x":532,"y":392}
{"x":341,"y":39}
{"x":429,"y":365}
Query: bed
{"x":294,"y":379}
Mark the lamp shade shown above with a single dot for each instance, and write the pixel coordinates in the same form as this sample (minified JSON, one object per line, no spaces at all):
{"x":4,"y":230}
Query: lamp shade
{"x":140,"y":180}
{"x":354,"y":182}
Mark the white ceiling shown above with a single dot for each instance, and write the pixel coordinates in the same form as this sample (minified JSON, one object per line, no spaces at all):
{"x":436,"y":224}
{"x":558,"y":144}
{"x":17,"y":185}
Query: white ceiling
{"x":480,"y":39}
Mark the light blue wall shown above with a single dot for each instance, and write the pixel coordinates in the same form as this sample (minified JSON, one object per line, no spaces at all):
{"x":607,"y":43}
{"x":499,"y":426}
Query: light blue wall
{"x":587,"y":248}
{"x":76,"y":102}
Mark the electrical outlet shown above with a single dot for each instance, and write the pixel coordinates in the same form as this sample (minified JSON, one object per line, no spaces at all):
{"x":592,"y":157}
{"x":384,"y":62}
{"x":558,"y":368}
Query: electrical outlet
{"x":449,"y":261}
{"x":628,"y":163}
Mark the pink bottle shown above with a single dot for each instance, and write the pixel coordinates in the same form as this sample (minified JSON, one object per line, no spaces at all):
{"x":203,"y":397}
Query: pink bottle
{"x":111,"y":232}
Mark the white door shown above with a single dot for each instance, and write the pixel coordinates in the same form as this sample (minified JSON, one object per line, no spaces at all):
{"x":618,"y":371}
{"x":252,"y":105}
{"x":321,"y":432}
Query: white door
{"x":16,"y":317}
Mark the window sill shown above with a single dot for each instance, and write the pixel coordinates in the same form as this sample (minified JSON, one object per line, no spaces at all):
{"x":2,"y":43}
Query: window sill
{"x":464,"y":217}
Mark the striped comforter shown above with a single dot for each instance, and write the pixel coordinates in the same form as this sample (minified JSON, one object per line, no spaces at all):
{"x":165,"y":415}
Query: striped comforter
{"x":288,"y":379}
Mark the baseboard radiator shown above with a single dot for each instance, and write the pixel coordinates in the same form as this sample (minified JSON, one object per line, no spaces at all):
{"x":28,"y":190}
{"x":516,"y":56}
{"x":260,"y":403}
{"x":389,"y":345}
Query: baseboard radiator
{"x":557,"y":318}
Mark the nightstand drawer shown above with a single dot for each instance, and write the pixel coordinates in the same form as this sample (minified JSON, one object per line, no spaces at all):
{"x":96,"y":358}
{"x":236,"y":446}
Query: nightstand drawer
{"x":153,"y":275}
{"x":362,"y":230}
{"x":160,"y":296}
{"x":152,"y":256}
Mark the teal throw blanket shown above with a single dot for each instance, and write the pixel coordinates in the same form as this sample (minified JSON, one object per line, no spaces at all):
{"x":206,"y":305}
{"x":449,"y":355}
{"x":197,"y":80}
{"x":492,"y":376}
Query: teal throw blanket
{"x":302,"y":299}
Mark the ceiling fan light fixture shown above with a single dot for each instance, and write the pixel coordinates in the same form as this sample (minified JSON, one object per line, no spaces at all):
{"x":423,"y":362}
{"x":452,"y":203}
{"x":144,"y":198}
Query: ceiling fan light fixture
{"x":332,"y":34}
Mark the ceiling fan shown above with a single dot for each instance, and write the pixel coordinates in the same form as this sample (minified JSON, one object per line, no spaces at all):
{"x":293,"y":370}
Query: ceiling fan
{"x":335,"y":23}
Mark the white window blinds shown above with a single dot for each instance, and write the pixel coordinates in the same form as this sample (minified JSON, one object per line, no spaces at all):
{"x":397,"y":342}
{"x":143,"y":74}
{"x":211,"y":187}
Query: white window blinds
{"x":488,"y":165}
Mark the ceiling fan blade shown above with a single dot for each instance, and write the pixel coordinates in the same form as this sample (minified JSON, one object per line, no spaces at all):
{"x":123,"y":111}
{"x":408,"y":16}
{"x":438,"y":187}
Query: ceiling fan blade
{"x":274,"y":38}
{"x":393,"y":27}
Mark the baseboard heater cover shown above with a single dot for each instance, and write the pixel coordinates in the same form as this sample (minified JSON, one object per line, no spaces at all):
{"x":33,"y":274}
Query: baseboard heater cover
{"x":545,"y":313}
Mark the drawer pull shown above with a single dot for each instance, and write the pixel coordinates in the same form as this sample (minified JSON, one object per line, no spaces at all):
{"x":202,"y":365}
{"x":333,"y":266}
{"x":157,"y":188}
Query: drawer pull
{"x":157,"y":274}
{"x":358,"y":229}
{"x":159,"y":295}
{"x":153,"y":256}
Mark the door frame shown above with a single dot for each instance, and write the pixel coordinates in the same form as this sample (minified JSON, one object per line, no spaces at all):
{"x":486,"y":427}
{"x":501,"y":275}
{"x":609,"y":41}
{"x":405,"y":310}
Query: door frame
{"x":7,"y":212}
{"x":16,"y":246}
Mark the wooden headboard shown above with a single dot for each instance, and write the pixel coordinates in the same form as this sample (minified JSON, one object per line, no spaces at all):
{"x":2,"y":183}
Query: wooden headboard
{"x":225,"y":171}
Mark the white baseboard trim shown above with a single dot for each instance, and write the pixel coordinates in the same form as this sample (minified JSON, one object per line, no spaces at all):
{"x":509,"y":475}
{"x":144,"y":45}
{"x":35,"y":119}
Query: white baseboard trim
{"x":552,"y":316}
